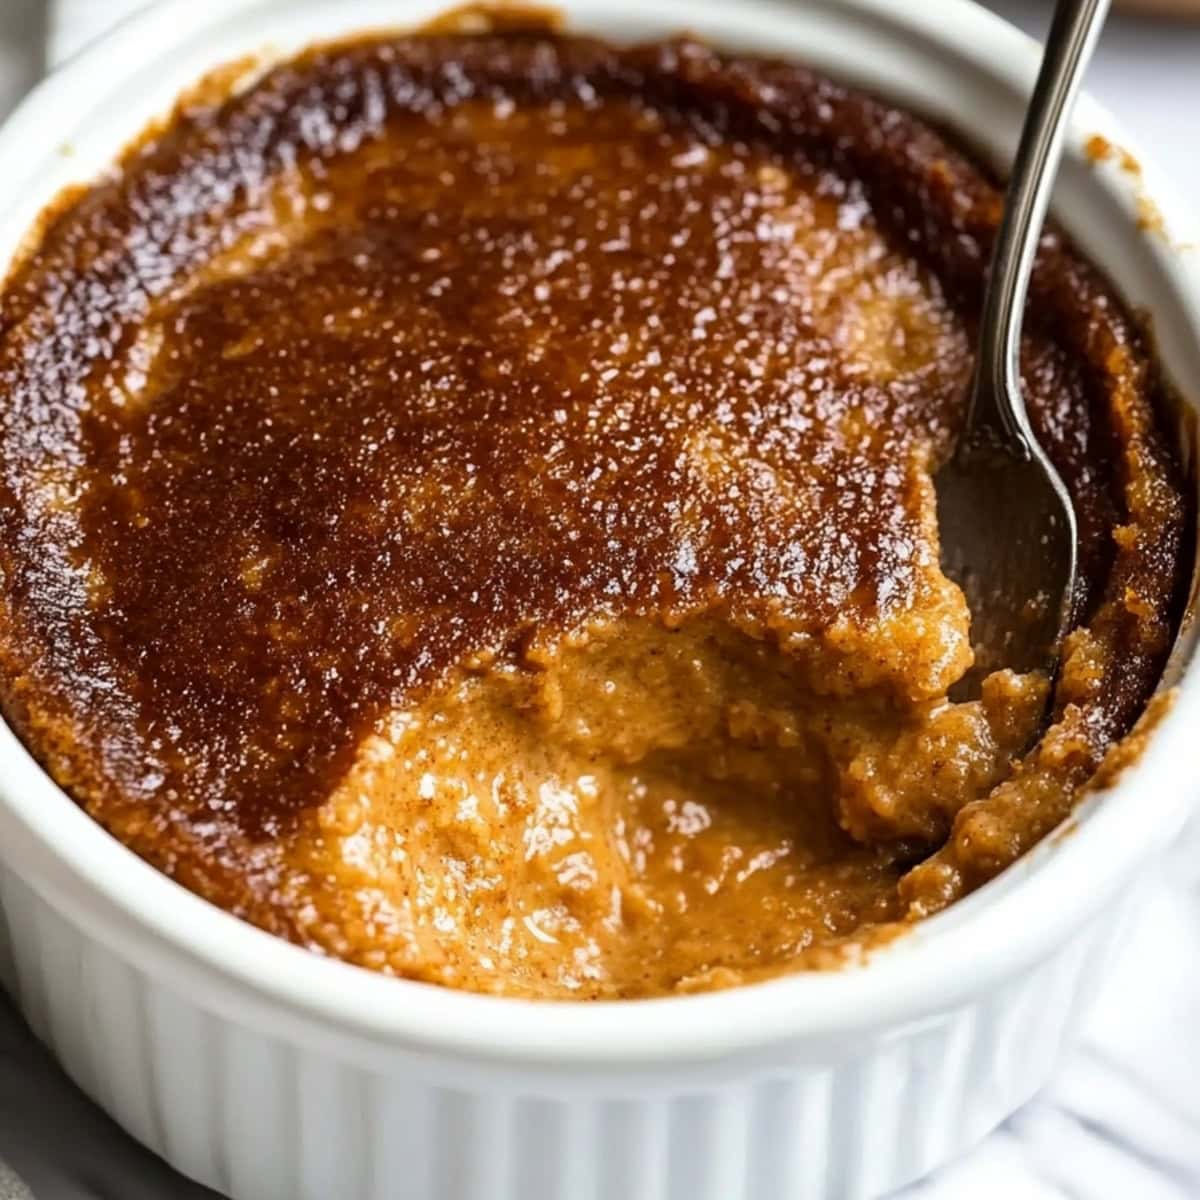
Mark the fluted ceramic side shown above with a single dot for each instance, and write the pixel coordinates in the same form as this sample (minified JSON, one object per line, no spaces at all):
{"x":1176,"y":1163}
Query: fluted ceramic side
{"x":260,"y":1118}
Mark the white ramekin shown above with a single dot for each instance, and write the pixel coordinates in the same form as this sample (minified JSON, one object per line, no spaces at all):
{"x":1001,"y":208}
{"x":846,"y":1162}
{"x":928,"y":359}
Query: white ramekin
{"x":272,"y":1074}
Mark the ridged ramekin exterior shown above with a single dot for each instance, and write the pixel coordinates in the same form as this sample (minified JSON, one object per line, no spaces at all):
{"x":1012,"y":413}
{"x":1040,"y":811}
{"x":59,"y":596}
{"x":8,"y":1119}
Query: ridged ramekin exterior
{"x":266,"y":1118}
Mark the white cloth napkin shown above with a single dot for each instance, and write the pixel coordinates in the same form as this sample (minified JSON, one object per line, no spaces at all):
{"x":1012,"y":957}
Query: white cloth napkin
{"x":1121,"y":1120}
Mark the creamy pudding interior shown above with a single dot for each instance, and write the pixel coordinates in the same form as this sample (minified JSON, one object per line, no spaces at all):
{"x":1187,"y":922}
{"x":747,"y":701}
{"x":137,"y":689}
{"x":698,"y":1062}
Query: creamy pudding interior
{"x":466,"y":507}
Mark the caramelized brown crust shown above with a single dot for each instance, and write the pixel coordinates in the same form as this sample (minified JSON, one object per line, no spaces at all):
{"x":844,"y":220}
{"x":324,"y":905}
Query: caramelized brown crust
{"x":421,"y":348}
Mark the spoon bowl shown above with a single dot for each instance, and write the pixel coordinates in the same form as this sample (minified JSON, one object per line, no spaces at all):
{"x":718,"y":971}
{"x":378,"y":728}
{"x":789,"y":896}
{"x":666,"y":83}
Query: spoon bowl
{"x":1009,"y":540}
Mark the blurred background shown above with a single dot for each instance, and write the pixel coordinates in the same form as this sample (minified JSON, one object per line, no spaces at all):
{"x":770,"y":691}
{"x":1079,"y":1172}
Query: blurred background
{"x":1122,"y":1121}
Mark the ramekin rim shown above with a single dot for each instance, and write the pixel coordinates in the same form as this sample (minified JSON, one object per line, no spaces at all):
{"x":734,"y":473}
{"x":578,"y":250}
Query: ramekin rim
{"x":918,"y":975}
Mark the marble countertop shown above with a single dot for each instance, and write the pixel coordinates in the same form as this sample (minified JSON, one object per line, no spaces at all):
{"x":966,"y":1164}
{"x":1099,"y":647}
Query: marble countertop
{"x":1121,"y":1120}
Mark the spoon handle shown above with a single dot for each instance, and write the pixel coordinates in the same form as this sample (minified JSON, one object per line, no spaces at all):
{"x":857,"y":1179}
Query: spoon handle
{"x":996,"y":392}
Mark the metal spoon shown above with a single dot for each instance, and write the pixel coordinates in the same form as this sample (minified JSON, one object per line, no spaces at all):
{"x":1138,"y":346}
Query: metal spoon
{"x":1008,"y":529}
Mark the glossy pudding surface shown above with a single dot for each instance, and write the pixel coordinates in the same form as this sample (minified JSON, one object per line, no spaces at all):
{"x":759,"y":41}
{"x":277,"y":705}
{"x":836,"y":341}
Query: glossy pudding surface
{"x":466,"y":507}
